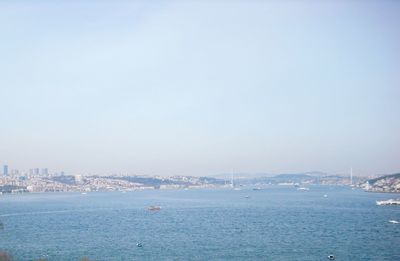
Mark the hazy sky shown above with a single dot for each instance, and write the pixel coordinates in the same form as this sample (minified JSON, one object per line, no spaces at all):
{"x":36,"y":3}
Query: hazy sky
{"x":199,"y":88}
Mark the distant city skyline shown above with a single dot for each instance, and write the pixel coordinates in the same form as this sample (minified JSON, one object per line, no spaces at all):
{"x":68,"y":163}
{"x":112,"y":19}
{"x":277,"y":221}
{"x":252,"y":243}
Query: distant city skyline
{"x":200,"y":88}
{"x":15,"y":171}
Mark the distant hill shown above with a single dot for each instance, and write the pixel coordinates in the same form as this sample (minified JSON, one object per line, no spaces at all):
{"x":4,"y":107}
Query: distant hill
{"x":157,"y":182}
{"x":243,"y":175}
{"x":385,"y":177}
{"x":288,"y":178}
{"x":387,"y":183}
{"x":292,"y":176}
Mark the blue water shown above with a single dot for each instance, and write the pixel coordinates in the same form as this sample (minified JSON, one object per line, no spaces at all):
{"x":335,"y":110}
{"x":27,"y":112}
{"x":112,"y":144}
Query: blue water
{"x":278,"y":223}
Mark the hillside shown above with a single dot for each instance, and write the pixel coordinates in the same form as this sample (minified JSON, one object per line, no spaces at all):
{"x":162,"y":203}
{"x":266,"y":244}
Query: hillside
{"x":387,"y":183}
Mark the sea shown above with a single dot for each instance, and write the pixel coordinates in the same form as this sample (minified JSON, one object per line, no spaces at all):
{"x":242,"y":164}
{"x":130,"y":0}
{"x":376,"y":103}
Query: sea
{"x":274,"y":223}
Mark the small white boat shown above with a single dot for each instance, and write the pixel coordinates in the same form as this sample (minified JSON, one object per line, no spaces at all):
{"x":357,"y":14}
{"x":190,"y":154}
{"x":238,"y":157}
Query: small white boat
{"x":394,"y":221}
{"x":303,"y":189}
{"x":388,"y":202}
{"x":325,"y":196}
{"x":331,"y":257}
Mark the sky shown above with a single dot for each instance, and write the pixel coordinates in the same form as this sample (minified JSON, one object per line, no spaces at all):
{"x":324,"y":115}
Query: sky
{"x":200,"y":87}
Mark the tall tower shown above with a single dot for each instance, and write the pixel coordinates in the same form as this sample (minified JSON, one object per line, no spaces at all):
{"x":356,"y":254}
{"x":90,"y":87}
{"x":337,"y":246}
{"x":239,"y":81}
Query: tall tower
{"x":5,"y":170}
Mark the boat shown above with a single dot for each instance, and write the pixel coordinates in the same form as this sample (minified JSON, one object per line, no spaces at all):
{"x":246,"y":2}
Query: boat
{"x":325,"y":196}
{"x":388,"y":202}
{"x":303,"y":189}
{"x":331,"y":257}
{"x":394,"y":221}
{"x":139,"y":244}
{"x":154,"y":208}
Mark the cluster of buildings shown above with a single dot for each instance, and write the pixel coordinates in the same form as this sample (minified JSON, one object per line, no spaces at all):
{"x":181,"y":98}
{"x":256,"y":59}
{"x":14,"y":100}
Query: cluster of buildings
{"x":13,"y":180}
{"x":6,"y":171}
{"x":388,"y":183}
{"x":41,"y":180}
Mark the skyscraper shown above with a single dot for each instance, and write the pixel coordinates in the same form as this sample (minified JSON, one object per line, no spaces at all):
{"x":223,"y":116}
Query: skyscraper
{"x":5,"y":170}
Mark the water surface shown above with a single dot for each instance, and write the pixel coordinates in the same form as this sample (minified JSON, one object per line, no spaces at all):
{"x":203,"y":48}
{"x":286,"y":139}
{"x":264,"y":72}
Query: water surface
{"x":277,"y":223}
